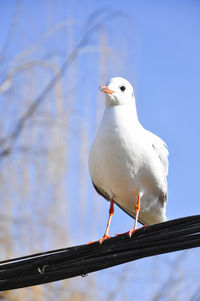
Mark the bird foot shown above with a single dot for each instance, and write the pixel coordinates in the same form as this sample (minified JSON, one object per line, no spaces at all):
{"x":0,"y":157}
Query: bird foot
{"x":101,"y":240}
{"x":124,"y":233}
{"x":131,"y":231}
{"x":104,"y":238}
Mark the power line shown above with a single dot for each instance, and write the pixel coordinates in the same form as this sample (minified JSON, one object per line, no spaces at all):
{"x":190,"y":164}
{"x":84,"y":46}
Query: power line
{"x":174,"y":235}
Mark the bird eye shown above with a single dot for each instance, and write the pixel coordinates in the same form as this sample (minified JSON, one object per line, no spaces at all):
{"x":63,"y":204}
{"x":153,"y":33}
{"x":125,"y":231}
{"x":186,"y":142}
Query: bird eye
{"x":122,"y":88}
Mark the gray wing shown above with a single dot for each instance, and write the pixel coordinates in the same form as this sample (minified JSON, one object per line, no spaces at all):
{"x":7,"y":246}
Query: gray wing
{"x":161,"y":150}
{"x":106,"y":196}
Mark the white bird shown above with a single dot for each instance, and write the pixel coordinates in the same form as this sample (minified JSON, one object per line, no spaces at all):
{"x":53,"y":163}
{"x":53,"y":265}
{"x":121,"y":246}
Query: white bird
{"x":128,"y":164}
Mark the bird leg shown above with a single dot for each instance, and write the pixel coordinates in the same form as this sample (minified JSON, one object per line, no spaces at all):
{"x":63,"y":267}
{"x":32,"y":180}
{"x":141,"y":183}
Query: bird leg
{"x":137,"y":209}
{"x":111,"y":212}
{"x":106,"y":235}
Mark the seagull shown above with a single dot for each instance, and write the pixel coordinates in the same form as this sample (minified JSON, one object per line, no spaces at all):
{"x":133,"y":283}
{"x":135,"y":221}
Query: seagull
{"x":128,"y":164}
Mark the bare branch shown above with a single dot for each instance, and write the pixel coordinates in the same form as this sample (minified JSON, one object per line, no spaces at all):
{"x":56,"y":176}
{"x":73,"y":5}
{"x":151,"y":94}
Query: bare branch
{"x":28,"y":65}
{"x":7,"y":143}
{"x":10,"y":33}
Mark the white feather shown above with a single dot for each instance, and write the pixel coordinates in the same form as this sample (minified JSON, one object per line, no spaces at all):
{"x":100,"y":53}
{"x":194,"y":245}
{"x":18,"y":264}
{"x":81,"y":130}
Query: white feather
{"x":126,"y":160}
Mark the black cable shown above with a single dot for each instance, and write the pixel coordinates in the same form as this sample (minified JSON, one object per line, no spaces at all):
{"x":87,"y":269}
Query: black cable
{"x":174,"y":235}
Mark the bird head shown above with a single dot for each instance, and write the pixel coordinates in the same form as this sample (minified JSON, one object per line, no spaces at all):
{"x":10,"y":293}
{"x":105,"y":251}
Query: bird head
{"x":118,"y":92}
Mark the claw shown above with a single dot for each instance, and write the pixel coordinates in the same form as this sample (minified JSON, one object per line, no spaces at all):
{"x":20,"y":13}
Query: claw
{"x":131,"y":231}
{"x":104,"y":238}
{"x":101,"y":240}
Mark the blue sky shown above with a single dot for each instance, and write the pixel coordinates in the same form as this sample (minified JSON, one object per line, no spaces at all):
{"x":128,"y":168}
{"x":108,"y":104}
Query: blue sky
{"x":153,"y":44}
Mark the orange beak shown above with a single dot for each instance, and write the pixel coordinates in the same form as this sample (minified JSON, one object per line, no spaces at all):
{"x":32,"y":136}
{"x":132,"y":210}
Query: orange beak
{"x":105,"y":89}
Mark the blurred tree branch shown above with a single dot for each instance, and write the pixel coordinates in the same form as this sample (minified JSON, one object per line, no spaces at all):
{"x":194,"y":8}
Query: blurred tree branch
{"x":10,"y":33}
{"x":196,"y":295}
{"x":93,"y":24}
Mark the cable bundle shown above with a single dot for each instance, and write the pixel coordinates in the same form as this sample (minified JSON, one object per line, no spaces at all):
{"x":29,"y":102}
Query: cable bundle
{"x":174,"y":235}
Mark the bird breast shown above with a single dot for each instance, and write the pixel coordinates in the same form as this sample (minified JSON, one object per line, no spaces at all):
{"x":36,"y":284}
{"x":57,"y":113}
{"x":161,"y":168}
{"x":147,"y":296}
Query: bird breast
{"x":119,"y":162}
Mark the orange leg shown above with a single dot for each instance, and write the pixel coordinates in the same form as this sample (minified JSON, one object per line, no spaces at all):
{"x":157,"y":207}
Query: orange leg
{"x":111,"y":212}
{"x":106,"y":235}
{"x":137,"y":209}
